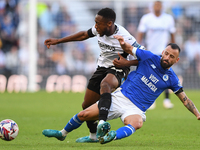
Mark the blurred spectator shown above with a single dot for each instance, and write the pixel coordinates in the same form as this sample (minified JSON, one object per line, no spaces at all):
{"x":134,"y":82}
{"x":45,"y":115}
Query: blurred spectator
{"x":177,"y":10}
{"x":90,"y":65}
{"x":133,"y":14}
{"x":2,"y":60}
{"x":58,"y":58}
{"x":23,"y":58}
{"x":12,"y":61}
{"x":192,"y":49}
{"x":8,"y":33}
{"x":10,"y":5}
{"x":46,"y":21}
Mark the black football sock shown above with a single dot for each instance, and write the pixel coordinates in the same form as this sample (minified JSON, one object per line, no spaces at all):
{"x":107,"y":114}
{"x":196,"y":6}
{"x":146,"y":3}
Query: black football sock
{"x":92,"y":125}
{"x":167,"y":93}
{"x":104,"y":106}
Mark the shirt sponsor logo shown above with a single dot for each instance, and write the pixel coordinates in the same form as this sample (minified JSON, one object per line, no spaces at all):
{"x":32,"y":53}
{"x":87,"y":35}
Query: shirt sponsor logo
{"x":104,"y":46}
{"x":150,"y":82}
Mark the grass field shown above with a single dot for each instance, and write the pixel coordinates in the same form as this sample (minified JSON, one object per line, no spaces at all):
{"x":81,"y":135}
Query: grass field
{"x":174,"y":129}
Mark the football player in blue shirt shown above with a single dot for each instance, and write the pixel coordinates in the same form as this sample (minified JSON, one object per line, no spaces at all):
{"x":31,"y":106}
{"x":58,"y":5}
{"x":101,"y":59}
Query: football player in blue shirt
{"x":139,"y":91}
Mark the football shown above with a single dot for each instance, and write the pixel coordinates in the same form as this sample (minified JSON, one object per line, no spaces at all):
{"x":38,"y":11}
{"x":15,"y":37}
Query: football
{"x":8,"y":129}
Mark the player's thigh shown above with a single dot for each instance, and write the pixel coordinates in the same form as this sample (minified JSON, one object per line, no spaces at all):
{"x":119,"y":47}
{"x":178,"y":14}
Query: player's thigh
{"x":122,"y":107}
{"x":110,"y":81}
{"x":90,"y":98}
{"x":120,"y":75}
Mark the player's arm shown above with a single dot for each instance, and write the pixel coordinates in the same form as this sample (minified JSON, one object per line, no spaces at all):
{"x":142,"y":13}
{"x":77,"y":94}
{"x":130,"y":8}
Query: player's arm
{"x":140,"y":36}
{"x":172,"y":38}
{"x":122,"y":62}
{"x":188,"y":103}
{"x":125,"y":46}
{"x":79,"y":36}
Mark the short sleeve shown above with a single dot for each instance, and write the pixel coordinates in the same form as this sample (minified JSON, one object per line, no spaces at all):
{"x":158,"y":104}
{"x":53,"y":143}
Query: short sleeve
{"x":142,"y":25}
{"x":172,"y":28}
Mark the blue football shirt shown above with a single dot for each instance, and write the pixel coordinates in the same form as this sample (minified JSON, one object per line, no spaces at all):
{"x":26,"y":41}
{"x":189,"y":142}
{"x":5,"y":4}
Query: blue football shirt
{"x":149,"y":80}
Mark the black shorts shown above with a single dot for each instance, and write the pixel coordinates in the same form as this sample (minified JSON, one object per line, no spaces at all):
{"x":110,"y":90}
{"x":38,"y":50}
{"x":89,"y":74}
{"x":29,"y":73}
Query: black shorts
{"x":100,"y":74}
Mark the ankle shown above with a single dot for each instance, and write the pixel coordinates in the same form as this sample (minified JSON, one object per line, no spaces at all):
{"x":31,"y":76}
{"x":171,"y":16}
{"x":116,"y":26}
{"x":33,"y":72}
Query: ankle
{"x":64,"y":132}
{"x":93,"y":136}
{"x":101,"y":121}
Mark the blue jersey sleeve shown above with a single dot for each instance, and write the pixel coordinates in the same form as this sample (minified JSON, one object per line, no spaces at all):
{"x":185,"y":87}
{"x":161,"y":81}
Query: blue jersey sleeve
{"x":176,"y":85}
{"x":143,"y":54}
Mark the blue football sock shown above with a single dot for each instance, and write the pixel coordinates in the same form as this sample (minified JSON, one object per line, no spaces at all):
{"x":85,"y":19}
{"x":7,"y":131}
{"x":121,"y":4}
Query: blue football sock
{"x":124,"y":131}
{"x":73,"y":123}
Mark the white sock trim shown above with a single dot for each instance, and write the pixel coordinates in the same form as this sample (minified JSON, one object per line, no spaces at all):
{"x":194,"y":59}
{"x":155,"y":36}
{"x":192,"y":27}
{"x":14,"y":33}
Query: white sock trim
{"x":64,"y":132}
{"x":101,"y":121}
{"x":93,"y":136}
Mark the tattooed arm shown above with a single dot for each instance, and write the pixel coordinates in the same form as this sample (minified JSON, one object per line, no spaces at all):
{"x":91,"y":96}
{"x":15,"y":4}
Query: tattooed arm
{"x":188,"y":104}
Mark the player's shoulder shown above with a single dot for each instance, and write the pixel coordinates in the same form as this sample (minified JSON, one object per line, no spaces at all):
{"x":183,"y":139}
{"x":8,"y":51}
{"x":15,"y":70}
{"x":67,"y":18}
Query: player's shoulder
{"x":148,"y":15}
{"x":166,"y":15}
{"x":120,"y":30}
{"x":172,"y":74}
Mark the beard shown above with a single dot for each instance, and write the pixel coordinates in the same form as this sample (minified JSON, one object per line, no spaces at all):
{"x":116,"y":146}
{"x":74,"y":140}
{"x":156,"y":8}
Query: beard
{"x":165,"y":63}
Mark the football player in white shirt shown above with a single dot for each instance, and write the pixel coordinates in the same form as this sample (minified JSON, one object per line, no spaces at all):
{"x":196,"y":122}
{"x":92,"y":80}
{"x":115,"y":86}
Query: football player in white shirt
{"x":158,"y":27}
{"x":107,"y":77}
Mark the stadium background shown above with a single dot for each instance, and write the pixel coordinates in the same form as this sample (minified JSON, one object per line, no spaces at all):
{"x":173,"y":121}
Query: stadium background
{"x":55,"y":68}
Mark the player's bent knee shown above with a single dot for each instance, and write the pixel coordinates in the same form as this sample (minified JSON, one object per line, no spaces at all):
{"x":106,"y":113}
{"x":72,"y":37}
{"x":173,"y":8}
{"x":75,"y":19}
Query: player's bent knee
{"x":135,"y":120}
{"x":83,"y":115}
{"x":136,"y":124}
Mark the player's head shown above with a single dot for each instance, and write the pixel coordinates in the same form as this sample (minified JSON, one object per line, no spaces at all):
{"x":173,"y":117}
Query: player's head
{"x":104,"y":20}
{"x":157,"y":7}
{"x":170,"y":55}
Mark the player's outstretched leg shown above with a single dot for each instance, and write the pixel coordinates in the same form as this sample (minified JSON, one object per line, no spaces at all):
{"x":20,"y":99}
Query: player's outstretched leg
{"x":73,"y":124}
{"x":53,"y":133}
{"x":102,"y":129}
{"x":108,"y":137}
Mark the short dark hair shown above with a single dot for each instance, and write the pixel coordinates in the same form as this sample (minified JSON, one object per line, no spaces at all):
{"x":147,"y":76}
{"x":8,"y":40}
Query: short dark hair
{"x":107,"y":13}
{"x":174,"y":46}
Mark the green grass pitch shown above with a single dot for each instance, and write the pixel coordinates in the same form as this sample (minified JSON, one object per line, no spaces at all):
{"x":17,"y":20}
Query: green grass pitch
{"x":174,"y":129}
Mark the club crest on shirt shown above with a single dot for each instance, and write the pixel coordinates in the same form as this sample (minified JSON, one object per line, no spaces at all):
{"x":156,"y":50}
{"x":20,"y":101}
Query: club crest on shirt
{"x":165,"y":77}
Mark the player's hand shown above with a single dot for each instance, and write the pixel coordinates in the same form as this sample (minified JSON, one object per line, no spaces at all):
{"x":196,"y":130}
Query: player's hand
{"x":198,"y":117}
{"x":49,"y":42}
{"x":121,"y":62}
{"x":125,"y":46}
{"x":120,"y":39}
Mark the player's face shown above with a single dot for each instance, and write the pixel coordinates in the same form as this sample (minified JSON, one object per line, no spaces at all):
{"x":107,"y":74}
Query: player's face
{"x":101,"y":25}
{"x":157,"y":6}
{"x":169,"y":57}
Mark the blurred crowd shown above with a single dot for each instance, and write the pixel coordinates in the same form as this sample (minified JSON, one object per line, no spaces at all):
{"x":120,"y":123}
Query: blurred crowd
{"x":55,"y":21}
{"x":9,"y":41}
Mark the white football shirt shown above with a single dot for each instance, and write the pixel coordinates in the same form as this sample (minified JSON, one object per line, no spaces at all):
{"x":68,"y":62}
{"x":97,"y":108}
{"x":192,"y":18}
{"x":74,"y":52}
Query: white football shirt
{"x":157,"y":31}
{"x":110,"y":46}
